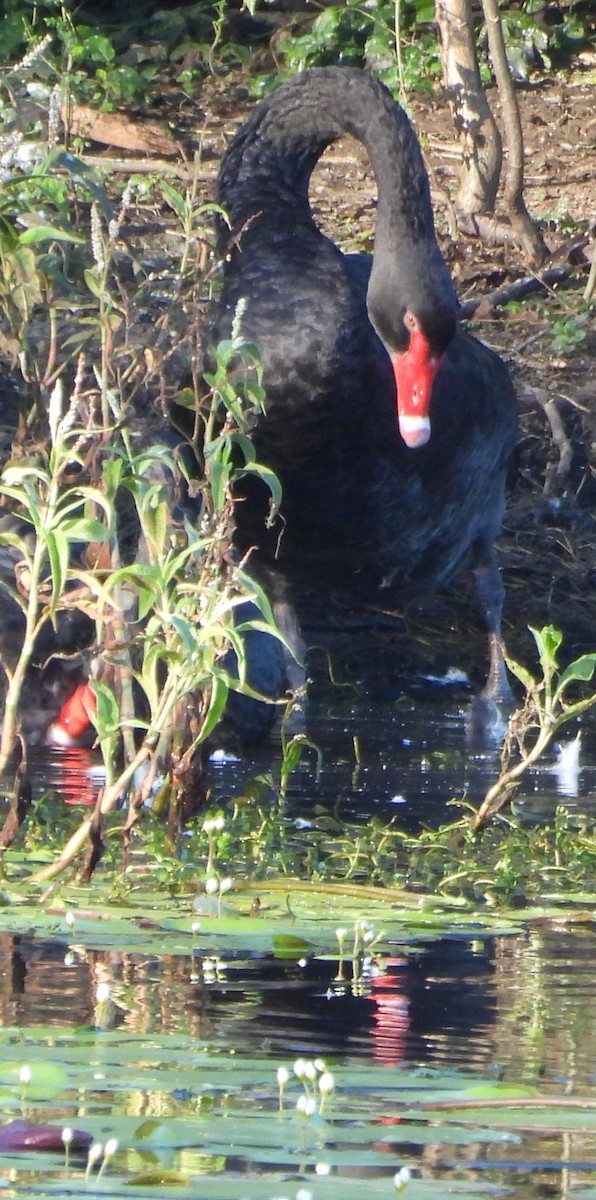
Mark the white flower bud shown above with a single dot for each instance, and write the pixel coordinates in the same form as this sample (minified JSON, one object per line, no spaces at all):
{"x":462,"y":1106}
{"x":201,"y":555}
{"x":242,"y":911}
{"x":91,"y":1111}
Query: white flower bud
{"x":401,"y":1179}
{"x":326,"y":1083}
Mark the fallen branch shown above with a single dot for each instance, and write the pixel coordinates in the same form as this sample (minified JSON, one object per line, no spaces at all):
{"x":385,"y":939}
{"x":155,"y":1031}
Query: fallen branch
{"x":117,"y":129}
{"x":148,"y":166}
{"x":517,"y":290}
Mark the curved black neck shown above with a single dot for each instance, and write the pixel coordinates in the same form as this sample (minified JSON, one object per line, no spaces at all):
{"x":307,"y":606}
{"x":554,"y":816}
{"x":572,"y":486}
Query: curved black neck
{"x":267,"y":169}
{"x":265,"y":174}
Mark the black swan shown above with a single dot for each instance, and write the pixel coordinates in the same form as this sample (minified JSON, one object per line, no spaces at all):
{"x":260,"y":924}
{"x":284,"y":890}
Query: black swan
{"x":377,"y":500}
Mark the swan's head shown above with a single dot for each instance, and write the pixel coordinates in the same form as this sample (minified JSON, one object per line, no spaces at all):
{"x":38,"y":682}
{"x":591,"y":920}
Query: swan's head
{"x":415,"y":368}
{"x":415,"y":336}
{"x":73,"y":725}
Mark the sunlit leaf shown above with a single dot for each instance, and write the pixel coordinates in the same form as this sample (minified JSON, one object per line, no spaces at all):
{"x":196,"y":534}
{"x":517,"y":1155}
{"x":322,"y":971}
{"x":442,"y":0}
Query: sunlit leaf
{"x":107,"y":719}
{"x":58,"y":551}
{"x":548,"y":640}
{"x":84,"y":529}
{"x":581,"y":670}
{"x":46,"y":233}
{"x":525,"y":677}
{"x":94,"y":281}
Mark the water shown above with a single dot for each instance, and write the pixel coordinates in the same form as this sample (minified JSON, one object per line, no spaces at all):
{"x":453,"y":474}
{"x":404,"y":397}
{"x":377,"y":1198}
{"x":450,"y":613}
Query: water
{"x":180,"y":1063}
{"x":405,"y":759}
{"x":400,"y":730}
{"x":190,"y":1047}
{"x":514,"y":1008}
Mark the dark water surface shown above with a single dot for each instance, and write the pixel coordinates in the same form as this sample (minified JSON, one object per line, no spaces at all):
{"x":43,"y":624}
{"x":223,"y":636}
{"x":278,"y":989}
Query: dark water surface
{"x":404,"y":758}
{"x":518,"y":1008}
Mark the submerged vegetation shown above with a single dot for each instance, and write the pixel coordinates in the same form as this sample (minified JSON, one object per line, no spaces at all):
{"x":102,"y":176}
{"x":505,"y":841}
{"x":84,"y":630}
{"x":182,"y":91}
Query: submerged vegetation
{"x":256,"y":845}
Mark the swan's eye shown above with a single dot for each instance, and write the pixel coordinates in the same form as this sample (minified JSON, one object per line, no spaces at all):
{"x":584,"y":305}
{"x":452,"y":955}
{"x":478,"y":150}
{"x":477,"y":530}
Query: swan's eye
{"x":410,"y":321}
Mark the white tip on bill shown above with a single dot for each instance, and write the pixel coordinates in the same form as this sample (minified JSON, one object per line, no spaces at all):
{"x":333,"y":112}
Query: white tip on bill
{"x":414,"y":430}
{"x":57,"y":735}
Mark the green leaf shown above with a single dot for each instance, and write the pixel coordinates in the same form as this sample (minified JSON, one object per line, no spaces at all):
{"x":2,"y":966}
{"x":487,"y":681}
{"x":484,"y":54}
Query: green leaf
{"x":84,"y":529}
{"x":93,"y":495}
{"x":581,"y":670}
{"x":242,"y":442}
{"x":155,"y":522}
{"x":112,"y":471}
{"x":94,"y":281}
{"x":270,"y":478}
{"x":286,"y":945}
{"x":79,"y":170}
{"x":217,"y":703}
{"x":186,"y":632}
{"x":175,"y":199}
{"x":495,"y":1090}
{"x":548,"y":640}
{"x":525,"y":677}
{"x":58,"y":548}
{"x":8,"y":537}
{"x":107,"y":718}
{"x":49,"y":233}
{"x":46,"y":1079}
{"x":145,"y":601}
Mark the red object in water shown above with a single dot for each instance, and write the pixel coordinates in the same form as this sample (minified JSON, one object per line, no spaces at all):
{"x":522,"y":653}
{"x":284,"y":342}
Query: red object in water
{"x":74,"y":719}
{"x":391,"y":1015}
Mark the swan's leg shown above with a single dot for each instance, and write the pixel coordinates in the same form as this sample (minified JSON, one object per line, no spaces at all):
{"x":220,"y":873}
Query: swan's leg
{"x":491,"y":595}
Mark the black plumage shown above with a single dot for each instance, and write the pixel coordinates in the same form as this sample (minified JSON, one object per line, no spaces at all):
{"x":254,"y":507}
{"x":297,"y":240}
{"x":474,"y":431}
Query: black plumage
{"x":339,"y":335}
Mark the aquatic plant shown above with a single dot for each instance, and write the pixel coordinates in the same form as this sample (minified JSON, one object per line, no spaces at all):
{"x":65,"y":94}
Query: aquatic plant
{"x":546,"y":709}
{"x":89,"y":468}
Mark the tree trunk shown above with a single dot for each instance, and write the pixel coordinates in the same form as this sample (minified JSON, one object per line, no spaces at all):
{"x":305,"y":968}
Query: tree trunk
{"x":479,"y":134}
{"x":513,"y":193}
